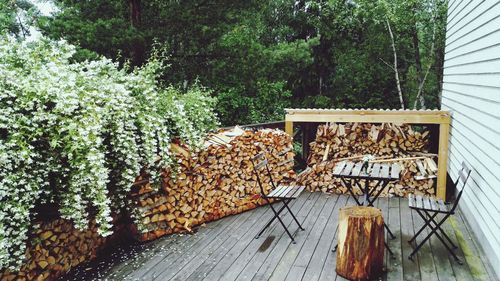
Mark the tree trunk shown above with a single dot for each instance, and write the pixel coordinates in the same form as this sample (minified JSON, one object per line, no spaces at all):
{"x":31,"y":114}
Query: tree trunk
{"x":138,"y":49}
{"x":360,"y":253}
{"x":396,"y":73}
{"x":135,"y":12}
{"x":418,"y":64}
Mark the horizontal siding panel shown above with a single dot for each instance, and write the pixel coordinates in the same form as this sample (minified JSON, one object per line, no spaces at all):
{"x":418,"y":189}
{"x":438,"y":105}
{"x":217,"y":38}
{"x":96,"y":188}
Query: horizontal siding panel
{"x":491,"y":149}
{"x":487,"y":220}
{"x":472,"y":18}
{"x":485,"y":223}
{"x":454,"y":9}
{"x":475,"y":186}
{"x":486,"y":105}
{"x":471,"y":91}
{"x":488,"y":39}
{"x":452,"y":4}
{"x":467,"y":15}
{"x":489,"y":80}
{"x":457,"y":14}
{"x":482,"y":163}
{"x":485,"y":93}
{"x":479,"y":199}
{"x":489,"y":66}
{"x":484,"y":54}
{"x":469,"y":118}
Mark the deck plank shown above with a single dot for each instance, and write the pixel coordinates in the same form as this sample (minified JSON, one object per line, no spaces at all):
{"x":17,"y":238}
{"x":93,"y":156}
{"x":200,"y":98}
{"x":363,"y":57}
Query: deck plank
{"x":150,"y":261}
{"x":240,"y":257}
{"x":410,"y":268}
{"x":217,"y":250}
{"x":425,"y":255}
{"x":443,"y":265}
{"x":281,"y":270}
{"x":480,"y":267}
{"x":269,"y":264}
{"x":394,"y":265}
{"x":212,"y":261}
{"x":328,"y":270}
{"x":303,"y":258}
{"x":462,"y":272}
{"x":226,"y":249}
{"x":313,"y":271}
{"x":178,"y":256}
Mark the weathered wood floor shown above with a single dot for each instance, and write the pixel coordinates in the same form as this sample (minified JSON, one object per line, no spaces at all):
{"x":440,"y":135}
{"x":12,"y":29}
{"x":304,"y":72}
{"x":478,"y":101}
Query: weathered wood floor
{"x":226,"y":249}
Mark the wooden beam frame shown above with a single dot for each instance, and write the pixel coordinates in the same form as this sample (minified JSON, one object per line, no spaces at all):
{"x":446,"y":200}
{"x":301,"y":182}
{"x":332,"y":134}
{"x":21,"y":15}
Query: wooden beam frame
{"x":441,"y":118}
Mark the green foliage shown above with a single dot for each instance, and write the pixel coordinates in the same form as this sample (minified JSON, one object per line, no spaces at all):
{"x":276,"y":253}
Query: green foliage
{"x":266,"y":105}
{"x":16,"y":16}
{"x":78,"y":133}
{"x":311,"y":53}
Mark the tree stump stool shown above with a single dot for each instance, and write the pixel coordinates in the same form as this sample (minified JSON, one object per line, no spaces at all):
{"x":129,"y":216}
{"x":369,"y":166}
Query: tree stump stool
{"x":360,"y":253}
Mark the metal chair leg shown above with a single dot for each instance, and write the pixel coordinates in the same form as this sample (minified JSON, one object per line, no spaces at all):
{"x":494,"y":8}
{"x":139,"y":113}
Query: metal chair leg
{"x":291,"y":213}
{"x":389,"y":231}
{"x":426,"y":223}
{"x":286,"y":229}
{"x":276,"y":214}
{"x":442,"y":232}
{"x":433,"y":231}
{"x":388,"y":249}
{"x":348,"y":185}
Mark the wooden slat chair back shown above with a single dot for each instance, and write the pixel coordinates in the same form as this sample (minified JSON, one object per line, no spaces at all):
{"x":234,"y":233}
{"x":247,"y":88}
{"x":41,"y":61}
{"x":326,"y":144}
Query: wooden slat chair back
{"x":281,"y":193}
{"x":260,"y":165}
{"x":463,"y":177}
{"x":428,"y":208}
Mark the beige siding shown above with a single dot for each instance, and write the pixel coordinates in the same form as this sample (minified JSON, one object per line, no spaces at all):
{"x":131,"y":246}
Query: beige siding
{"x":471,"y":90}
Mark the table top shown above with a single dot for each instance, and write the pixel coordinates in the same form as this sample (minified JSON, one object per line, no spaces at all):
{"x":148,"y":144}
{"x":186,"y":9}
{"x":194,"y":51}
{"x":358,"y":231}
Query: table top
{"x":375,"y":171}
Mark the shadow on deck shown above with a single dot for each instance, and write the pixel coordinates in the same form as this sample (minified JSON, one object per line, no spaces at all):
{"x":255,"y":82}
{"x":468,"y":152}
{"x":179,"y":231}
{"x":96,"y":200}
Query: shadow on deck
{"x":226,"y":249}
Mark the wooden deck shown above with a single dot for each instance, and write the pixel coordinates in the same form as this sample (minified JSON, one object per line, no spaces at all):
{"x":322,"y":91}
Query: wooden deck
{"x":226,"y":249}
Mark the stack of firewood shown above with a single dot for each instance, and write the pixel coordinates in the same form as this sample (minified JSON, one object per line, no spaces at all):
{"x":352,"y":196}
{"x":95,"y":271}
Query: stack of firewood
{"x":212,"y":183}
{"x":54,"y":248}
{"x":386,"y":142}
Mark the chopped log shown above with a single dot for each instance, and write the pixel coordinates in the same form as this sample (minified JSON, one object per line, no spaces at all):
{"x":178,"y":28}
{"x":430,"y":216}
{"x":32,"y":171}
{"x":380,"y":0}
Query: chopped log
{"x":393,"y":143}
{"x":360,"y":253}
{"x":211,"y":183}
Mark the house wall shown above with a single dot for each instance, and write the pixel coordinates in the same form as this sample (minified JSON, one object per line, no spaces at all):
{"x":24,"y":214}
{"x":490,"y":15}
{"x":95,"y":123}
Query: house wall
{"x":471,"y":91}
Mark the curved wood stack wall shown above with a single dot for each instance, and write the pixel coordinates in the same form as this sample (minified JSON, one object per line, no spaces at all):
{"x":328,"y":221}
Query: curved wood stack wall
{"x":55,"y":247}
{"x":215,"y":182}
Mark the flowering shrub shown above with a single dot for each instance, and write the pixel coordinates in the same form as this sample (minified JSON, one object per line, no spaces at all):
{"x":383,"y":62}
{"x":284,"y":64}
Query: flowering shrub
{"x":78,"y":133}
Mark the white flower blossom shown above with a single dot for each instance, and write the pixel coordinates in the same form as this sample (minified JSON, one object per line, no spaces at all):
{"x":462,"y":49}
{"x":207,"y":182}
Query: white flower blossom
{"x":78,"y":133}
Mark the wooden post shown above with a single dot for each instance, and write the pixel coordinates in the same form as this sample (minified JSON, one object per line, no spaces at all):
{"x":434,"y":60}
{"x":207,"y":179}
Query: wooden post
{"x":444,"y":131}
{"x":360,"y":253}
{"x":289,"y":128}
{"x":305,"y":139}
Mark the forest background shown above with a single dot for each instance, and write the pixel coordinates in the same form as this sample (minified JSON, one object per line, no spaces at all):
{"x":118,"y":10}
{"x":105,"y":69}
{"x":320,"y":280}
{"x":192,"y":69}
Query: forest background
{"x":259,"y":57}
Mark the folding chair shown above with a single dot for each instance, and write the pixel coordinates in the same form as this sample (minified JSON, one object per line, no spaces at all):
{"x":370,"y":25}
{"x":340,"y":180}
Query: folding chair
{"x":428,"y":209}
{"x":282,"y":193}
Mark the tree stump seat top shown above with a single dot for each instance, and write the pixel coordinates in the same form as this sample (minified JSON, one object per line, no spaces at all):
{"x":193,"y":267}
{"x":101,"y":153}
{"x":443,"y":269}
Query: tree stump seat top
{"x":361,"y":211}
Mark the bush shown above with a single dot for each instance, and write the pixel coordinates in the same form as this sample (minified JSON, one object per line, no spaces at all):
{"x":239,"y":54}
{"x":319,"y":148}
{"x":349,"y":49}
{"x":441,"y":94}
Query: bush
{"x":267,"y":103}
{"x":78,"y":133}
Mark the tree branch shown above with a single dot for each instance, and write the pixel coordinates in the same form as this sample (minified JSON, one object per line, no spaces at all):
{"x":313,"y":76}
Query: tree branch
{"x":396,"y":74}
{"x":386,"y":63}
